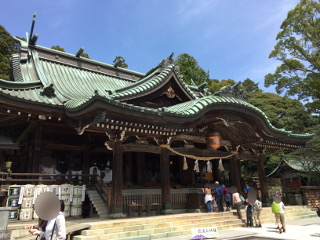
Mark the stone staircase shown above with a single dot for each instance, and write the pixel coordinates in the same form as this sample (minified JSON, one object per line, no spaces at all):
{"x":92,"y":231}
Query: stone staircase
{"x":165,"y":226}
{"x":98,"y":203}
{"x":158,"y":226}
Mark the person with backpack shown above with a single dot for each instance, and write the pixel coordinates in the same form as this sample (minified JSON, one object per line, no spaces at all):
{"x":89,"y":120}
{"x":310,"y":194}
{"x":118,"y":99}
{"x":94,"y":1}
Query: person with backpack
{"x":257,"y":207}
{"x":219,"y":192}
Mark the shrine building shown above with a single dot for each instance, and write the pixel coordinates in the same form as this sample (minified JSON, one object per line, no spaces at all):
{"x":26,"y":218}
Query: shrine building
{"x":65,"y":115}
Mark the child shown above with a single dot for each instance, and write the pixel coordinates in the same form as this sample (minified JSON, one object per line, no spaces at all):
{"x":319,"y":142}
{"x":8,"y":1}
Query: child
{"x":249,"y":211}
{"x":278,"y":210}
{"x":215,"y":206}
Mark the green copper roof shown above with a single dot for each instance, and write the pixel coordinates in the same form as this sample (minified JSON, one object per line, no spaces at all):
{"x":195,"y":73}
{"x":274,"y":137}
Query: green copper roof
{"x":77,"y":88}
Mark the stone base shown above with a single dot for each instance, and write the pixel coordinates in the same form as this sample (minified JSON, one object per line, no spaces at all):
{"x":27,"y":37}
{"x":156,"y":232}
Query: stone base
{"x":167,"y":211}
{"x":5,"y":235}
{"x":117,"y":215}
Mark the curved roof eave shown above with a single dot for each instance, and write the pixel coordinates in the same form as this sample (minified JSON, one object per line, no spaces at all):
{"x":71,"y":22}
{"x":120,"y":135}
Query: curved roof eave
{"x":152,"y":83}
{"x":195,"y":109}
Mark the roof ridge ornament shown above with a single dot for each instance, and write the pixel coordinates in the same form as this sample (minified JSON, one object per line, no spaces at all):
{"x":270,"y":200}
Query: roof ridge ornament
{"x":166,"y":62}
{"x":31,"y":30}
{"x":80,"y":51}
{"x":232,"y":91}
{"x":48,"y":91}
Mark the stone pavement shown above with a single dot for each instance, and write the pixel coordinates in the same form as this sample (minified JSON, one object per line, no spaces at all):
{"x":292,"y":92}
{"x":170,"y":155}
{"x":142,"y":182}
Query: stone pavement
{"x":304,"y":229}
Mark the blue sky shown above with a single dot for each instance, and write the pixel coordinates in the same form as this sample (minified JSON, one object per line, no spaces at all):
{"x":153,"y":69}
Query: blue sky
{"x":231,"y":38}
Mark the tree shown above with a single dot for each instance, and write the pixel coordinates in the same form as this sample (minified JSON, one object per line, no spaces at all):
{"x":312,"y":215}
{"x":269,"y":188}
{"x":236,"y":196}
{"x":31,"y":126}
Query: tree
{"x":58,"y":48}
{"x":85,"y":55}
{"x":251,"y":86}
{"x":123,"y":63}
{"x":298,"y":48}
{"x":190,"y":70}
{"x":308,"y":159}
{"x":7,"y":48}
{"x":215,"y":85}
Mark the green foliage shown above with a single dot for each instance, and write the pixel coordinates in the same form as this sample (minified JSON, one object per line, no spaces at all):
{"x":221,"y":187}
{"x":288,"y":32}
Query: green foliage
{"x":85,"y":55}
{"x":123,"y":63}
{"x":58,"y":48}
{"x":215,"y":85}
{"x":251,"y":86}
{"x":190,"y":70}
{"x":282,"y":112}
{"x":309,"y":157}
{"x":298,"y":48}
{"x":7,"y":48}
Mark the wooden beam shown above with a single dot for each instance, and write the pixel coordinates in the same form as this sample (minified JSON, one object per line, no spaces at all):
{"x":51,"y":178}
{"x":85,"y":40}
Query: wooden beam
{"x":64,"y":147}
{"x":198,"y":139}
{"x":133,"y":147}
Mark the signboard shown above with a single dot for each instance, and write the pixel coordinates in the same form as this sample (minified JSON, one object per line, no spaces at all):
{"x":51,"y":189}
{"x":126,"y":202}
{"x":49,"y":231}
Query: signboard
{"x":208,"y":232}
{"x":208,"y":176}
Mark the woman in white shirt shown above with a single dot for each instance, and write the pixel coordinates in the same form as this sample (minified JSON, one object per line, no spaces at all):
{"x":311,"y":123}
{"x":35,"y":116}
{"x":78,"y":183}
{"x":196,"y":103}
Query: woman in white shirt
{"x":56,"y":228}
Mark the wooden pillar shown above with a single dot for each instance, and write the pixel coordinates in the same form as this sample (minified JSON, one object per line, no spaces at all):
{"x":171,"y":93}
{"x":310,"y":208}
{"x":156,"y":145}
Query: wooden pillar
{"x":262,"y":179}
{"x":37,"y":148}
{"x":116,"y":196}
{"x":165,"y":179}
{"x":1,"y":161}
{"x":140,"y":168}
{"x":235,"y":175}
{"x":216,"y":170}
{"x":128,"y":169}
{"x":86,"y":165}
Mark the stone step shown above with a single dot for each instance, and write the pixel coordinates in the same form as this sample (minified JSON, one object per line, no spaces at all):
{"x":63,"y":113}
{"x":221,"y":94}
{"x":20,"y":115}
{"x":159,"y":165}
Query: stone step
{"x":169,"y":226}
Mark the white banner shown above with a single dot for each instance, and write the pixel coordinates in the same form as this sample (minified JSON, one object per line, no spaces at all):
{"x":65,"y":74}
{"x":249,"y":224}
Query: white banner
{"x":208,"y":232}
{"x":21,"y":195}
{"x":71,"y":193}
{"x":35,"y":195}
{"x":59,"y":192}
{"x":83,"y":192}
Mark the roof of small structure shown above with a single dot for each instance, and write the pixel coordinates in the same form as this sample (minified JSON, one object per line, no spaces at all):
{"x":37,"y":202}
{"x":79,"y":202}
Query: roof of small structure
{"x":60,"y":82}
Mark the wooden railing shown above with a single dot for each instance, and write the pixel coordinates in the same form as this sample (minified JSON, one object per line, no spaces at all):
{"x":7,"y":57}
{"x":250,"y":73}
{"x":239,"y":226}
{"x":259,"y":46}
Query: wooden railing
{"x":103,"y":189}
{"x":178,"y":200}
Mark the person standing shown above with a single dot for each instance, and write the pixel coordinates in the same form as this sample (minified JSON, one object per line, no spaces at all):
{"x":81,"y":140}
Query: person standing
{"x":219,"y":192}
{"x":227,"y":197}
{"x":257,"y":207}
{"x":55,"y":228}
{"x":249,"y":211}
{"x":236,"y":201}
{"x":278,"y":210}
{"x":207,"y":198}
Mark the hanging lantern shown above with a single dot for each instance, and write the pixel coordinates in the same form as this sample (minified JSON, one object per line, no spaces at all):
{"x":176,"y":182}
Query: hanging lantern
{"x":213,"y":140}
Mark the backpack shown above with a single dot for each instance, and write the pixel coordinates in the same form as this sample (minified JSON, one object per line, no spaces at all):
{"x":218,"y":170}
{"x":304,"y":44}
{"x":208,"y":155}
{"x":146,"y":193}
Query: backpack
{"x":241,"y":198}
{"x":258,"y":206}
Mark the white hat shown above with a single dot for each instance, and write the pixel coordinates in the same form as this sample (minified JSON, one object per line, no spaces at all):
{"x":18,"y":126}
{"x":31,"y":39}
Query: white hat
{"x":216,"y":182}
